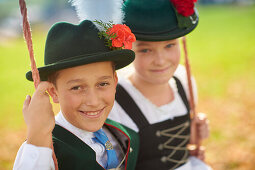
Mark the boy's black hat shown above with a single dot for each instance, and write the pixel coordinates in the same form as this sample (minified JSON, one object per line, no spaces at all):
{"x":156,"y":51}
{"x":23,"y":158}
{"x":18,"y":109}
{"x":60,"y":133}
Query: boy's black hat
{"x":159,"y":20}
{"x":69,"y":45}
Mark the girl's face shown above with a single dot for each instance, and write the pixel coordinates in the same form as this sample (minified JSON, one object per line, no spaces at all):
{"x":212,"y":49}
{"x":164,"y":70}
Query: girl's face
{"x":156,"y":62}
{"x":86,"y":94}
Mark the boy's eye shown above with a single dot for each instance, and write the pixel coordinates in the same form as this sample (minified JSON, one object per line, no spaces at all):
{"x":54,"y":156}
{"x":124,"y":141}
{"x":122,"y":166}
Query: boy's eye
{"x":104,"y":84}
{"x":76,"y":88}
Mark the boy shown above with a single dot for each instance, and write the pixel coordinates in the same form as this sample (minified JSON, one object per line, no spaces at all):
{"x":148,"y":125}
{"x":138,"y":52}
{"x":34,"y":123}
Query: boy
{"x":153,"y":100}
{"x":79,"y":74}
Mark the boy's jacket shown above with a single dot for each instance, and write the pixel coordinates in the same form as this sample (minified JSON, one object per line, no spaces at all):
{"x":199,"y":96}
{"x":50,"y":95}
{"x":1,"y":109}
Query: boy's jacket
{"x":73,"y":154}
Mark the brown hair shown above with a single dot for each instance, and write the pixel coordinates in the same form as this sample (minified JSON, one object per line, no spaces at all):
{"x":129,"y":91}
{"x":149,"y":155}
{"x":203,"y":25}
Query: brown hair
{"x":52,"y":78}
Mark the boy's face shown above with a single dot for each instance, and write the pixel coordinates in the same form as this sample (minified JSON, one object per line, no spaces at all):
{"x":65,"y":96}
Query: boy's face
{"x":86,"y":94}
{"x":156,"y":62}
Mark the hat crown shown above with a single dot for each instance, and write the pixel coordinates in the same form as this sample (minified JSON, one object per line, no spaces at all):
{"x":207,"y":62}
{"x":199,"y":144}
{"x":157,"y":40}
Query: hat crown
{"x":66,"y":41}
{"x":156,"y":20}
{"x":69,"y":45}
{"x":162,"y":16}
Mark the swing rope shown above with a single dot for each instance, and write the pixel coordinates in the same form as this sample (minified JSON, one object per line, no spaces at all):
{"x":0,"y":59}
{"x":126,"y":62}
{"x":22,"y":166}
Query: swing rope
{"x":195,"y":142}
{"x":28,"y":38}
{"x":35,"y":72}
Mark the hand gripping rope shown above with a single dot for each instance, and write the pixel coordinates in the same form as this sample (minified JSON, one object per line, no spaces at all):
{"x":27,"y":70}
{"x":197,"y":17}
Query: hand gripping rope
{"x":35,"y":73}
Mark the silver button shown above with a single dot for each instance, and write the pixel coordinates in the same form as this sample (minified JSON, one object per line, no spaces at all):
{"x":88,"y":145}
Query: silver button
{"x":158,"y":133}
{"x":186,"y":124}
{"x":163,"y":159}
{"x":160,"y":147}
{"x":131,"y":150}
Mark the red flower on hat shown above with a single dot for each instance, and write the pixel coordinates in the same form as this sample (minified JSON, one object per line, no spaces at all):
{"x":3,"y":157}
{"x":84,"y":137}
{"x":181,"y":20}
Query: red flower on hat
{"x":117,"y":36}
{"x":184,"y":7}
{"x":123,"y":37}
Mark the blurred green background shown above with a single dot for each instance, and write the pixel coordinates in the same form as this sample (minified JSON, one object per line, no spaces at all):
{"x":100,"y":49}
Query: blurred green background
{"x":222,"y":56}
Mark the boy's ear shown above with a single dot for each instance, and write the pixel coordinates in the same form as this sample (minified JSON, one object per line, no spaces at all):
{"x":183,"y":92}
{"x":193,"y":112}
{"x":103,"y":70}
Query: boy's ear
{"x":53,"y":93}
{"x":115,"y":79}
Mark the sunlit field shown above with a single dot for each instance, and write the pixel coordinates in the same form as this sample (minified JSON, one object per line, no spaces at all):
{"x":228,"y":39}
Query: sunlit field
{"x":222,"y":56}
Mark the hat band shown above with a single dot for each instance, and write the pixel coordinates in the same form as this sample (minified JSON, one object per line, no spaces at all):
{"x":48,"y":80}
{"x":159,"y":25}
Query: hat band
{"x":154,"y":33}
{"x":78,"y":56}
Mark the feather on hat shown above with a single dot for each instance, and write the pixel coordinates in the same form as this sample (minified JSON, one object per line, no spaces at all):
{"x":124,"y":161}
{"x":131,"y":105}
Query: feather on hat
{"x":101,"y":10}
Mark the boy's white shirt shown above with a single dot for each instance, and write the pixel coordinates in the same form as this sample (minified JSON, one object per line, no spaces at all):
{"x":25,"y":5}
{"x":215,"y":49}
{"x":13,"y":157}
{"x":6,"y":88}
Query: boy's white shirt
{"x":30,"y":157}
{"x":155,"y":114}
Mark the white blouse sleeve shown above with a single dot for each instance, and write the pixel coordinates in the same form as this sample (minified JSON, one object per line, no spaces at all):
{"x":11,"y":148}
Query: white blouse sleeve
{"x":119,"y":115}
{"x":30,"y":157}
{"x":181,"y":74}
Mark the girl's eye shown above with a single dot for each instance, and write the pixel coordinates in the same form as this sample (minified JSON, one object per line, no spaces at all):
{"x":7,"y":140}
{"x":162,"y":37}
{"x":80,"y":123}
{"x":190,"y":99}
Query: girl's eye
{"x":76,"y":88}
{"x":144,"y":50}
{"x":169,"y":45}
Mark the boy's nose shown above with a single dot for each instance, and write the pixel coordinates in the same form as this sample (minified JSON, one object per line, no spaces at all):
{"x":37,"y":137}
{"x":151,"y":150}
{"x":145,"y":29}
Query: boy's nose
{"x":91,"y":98}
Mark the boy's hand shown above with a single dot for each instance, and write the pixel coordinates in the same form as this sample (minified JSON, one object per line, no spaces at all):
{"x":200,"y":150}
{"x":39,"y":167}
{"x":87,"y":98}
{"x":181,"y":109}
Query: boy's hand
{"x":39,"y":117}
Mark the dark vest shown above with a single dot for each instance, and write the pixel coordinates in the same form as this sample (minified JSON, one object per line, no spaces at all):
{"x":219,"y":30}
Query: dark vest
{"x":158,"y":141}
{"x":73,"y":154}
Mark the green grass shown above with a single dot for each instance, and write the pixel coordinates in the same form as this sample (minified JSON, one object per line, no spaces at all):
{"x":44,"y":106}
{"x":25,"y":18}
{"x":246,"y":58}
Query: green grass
{"x":14,"y":87}
{"x":222,"y":56}
{"x":222,"y":47}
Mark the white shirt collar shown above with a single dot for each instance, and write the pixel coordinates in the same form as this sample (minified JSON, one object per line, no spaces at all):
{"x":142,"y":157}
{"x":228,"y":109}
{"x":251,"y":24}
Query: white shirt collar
{"x":82,"y":134}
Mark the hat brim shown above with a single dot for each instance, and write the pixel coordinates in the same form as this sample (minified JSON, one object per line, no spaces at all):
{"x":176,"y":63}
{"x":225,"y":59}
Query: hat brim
{"x":127,"y":56}
{"x":164,"y":36}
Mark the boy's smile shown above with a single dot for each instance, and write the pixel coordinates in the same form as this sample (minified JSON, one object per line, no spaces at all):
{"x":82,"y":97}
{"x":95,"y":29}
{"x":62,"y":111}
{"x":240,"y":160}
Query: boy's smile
{"x":92,"y":114}
{"x":86,"y":94}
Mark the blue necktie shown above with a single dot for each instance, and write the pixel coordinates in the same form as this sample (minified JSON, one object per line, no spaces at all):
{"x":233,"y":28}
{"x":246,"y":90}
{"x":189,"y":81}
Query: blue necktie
{"x":112,"y":160}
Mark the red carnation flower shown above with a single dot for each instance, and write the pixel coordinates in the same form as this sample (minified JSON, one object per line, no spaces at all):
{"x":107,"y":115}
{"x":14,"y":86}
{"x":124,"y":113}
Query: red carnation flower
{"x":123,"y":36}
{"x":184,"y":7}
